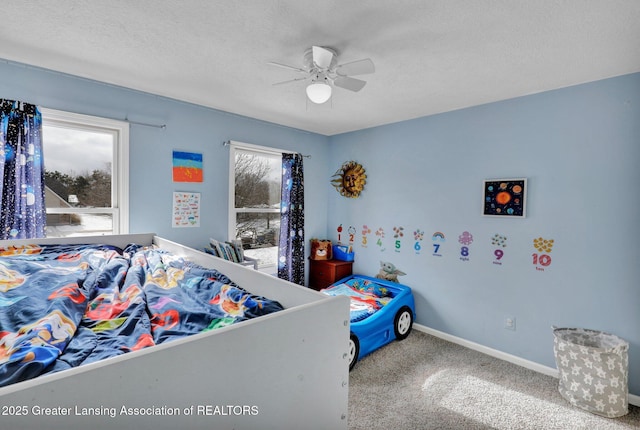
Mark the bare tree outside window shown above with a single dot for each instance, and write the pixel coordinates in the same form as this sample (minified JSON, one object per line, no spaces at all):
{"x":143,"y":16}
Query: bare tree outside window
{"x":257,"y":204}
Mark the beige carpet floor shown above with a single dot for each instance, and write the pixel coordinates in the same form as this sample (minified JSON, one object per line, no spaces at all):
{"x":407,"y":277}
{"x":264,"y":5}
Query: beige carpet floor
{"x":424,"y":382}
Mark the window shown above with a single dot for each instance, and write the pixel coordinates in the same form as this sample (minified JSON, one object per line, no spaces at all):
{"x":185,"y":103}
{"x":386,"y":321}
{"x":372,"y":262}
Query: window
{"x":86,"y":167}
{"x":254,"y":194}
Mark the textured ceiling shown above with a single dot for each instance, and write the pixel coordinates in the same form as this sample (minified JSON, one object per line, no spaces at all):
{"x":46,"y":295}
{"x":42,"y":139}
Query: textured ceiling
{"x":431,"y":56}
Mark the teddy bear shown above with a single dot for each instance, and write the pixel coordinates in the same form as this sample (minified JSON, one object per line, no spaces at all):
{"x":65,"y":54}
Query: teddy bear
{"x":321,"y":249}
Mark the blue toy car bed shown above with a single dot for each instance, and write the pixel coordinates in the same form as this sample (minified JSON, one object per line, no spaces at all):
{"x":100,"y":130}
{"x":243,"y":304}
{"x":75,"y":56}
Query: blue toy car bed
{"x":381,"y":311}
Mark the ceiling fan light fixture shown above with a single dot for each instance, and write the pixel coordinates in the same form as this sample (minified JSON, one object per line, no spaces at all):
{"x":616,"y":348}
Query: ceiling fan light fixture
{"x":319,"y":92}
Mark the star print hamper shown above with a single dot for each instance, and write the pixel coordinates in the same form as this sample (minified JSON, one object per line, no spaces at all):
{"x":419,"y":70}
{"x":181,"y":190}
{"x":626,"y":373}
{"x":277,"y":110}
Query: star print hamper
{"x":594,"y":370}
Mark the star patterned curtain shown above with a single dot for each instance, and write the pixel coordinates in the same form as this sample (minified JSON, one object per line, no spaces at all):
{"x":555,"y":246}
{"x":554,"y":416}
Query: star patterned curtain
{"x":291,"y":244}
{"x":22,"y":171}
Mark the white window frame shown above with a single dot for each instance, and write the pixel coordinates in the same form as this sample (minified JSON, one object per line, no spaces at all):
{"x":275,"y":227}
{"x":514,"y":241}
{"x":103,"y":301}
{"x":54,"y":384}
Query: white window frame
{"x":119,"y":209}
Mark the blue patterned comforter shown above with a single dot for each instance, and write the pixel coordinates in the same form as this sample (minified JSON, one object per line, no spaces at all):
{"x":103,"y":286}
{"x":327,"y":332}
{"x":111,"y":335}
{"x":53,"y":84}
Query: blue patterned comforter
{"x":366,"y":297}
{"x":62,"y":306}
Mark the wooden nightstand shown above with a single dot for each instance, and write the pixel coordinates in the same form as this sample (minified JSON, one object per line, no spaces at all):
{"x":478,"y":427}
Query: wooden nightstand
{"x":323,"y":273}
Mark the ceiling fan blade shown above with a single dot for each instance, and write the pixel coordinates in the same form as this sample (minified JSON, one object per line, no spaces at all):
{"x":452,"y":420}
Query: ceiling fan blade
{"x":322,"y":57}
{"x":351,"y":84}
{"x":359,"y":67}
{"x":291,"y":80}
{"x":284,"y":66}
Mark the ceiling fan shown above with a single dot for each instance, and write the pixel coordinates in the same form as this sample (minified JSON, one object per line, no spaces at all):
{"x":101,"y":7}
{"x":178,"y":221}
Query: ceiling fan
{"x":321,"y":68}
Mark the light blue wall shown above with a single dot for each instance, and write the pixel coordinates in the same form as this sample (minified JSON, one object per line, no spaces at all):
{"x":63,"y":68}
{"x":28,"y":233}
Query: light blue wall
{"x":579,"y":147}
{"x":188,"y":127}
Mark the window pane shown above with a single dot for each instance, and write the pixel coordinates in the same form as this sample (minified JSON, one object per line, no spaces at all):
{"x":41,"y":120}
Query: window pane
{"x":78,"y":166}
{"x":259,"y":234}
{"x":63,"y":225}
{"x":257,"y":180}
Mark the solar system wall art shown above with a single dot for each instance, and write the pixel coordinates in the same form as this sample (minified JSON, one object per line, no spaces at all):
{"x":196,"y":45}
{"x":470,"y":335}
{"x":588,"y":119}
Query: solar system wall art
{"x":505,"y":197}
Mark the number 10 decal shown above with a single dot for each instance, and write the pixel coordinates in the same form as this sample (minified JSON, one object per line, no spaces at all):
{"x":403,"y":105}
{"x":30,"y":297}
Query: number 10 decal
{"x":543,"y":259}
{"x":540,"y":261}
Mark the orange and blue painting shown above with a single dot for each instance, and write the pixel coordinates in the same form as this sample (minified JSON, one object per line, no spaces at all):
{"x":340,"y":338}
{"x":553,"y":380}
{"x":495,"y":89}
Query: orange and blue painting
{"x":187,"y":166}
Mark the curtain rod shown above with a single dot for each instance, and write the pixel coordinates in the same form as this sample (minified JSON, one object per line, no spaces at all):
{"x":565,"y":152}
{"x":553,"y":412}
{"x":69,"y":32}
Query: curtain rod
{"x":145,"y":124}
{"x":249,"y":146}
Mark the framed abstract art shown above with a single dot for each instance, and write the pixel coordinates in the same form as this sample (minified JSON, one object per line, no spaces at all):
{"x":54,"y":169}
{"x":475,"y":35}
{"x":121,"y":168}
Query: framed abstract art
{"x":505,"y":197}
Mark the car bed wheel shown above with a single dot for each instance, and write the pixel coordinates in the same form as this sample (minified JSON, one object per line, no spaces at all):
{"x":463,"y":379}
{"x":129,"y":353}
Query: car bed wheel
{"x":354,"y":350}
{"x":403,"y":322}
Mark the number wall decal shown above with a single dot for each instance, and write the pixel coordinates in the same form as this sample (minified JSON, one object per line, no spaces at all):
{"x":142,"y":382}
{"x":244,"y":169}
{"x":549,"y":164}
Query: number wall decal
{"x":418,"y":235}
{"x":541,"y":261}
{"x":366,"y":231}
{"x":397,"y":235}
{"x":465,"y":239}
{"x":352,"y":234}
{"x":379,"y":242}
{"x":501,"y":242}
{"x":438,"y":239}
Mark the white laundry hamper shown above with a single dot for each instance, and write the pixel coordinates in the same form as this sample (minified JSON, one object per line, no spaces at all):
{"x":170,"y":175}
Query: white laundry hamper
{"x":594,"y":370}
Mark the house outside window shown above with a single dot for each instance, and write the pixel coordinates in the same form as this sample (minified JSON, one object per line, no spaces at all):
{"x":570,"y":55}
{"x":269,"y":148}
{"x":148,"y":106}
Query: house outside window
{"x":86,"y":174}
{"x":254,"y":194}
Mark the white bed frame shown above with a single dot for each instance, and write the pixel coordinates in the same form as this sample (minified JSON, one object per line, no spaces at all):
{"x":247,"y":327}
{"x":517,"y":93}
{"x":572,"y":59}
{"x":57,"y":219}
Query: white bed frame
{"x":284,"y":370}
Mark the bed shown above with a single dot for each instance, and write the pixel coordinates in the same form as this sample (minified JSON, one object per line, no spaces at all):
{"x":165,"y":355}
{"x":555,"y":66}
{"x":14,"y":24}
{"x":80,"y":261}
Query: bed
{"x":380,"y":311}
{"x":288,"y":364}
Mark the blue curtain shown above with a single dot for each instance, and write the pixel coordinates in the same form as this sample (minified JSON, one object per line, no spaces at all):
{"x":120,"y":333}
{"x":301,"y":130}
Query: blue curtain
{"x":22,"y":171}
{"x":291,"y":244}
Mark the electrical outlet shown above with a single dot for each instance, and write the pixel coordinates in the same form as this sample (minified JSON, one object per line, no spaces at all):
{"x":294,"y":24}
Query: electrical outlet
{"x":510,"y":323}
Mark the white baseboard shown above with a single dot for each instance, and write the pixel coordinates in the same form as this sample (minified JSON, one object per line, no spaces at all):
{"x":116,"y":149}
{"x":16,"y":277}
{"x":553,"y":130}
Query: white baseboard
{"x":528,"y":364}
